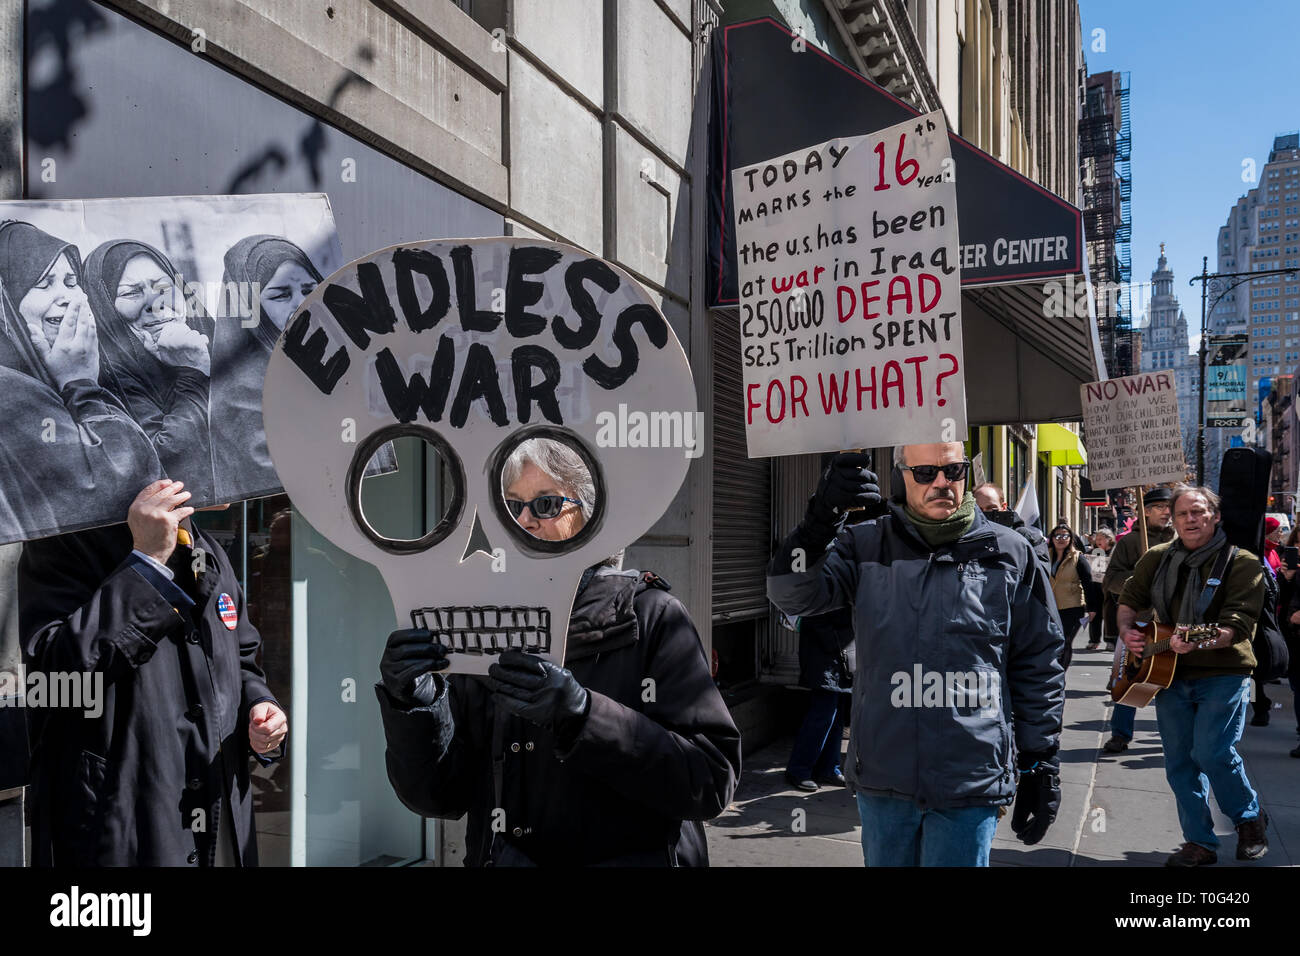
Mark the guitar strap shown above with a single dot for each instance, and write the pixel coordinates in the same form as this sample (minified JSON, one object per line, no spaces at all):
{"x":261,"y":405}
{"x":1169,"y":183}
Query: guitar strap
{"x":1212,"y":584}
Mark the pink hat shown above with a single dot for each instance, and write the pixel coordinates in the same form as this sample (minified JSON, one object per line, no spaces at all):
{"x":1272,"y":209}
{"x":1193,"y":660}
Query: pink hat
{"x":1271,"y":524}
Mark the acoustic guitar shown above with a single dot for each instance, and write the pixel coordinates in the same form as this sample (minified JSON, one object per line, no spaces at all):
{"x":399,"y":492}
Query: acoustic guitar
{"x":1138,"y":678}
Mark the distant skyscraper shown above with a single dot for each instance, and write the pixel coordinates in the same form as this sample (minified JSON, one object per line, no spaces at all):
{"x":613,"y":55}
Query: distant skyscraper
{"x":1272,"y":304}
{"x":1262,"y":232}
{"x":1164,"y":345}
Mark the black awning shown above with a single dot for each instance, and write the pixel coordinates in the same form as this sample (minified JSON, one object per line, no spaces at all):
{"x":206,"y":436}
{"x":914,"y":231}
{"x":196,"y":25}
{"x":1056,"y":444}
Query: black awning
{"x":769,"y":100}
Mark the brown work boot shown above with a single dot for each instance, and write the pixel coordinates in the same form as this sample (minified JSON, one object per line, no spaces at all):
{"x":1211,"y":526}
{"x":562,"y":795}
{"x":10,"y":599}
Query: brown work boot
{"x":1193,"y":854}
{"x":1252,"y":843}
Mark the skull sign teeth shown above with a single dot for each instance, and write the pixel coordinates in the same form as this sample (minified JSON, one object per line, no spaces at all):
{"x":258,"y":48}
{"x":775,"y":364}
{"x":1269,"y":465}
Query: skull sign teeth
{"x":475,"y":346}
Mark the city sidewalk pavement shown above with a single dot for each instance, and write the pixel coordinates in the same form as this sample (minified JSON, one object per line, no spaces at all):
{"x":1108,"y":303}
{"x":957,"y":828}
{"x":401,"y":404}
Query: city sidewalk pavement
{"x":1116,"y":809}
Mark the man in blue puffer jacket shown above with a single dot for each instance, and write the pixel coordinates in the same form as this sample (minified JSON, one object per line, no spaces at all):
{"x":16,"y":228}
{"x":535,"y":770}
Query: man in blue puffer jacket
{"x":958,"y":695}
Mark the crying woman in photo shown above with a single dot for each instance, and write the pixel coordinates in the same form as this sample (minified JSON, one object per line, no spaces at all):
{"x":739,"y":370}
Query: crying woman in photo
{"x":69,"y":440}
{"x":155,"y":355}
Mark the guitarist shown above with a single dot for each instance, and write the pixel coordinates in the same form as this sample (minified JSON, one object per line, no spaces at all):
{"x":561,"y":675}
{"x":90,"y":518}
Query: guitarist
{"x":1203,"y":712}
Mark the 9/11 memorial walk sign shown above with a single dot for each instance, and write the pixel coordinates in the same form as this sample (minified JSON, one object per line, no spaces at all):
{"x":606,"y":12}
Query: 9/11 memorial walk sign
{"x":850,"y":311}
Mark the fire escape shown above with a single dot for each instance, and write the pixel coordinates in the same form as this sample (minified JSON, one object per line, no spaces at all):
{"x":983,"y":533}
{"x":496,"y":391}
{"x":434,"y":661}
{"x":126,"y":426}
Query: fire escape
{"x":1104,"y":154}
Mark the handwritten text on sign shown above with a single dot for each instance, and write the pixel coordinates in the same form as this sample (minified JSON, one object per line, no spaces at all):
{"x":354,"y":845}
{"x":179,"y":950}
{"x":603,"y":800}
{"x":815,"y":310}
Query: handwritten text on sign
{"x":850,"y":294}
{"x":1131,"y":431}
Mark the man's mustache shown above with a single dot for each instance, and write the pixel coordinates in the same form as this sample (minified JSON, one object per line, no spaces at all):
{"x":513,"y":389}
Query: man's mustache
{"x":941,"y":493}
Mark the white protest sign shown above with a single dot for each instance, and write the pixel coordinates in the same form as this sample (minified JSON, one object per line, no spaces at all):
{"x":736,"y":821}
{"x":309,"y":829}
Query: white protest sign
{"x":850,"y":296}
{"x":1132,"y":432}
{"x":477,"y":346}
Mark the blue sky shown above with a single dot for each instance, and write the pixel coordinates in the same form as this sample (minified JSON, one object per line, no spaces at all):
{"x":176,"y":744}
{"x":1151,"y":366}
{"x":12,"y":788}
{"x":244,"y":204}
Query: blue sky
{"x":1211,"y":84}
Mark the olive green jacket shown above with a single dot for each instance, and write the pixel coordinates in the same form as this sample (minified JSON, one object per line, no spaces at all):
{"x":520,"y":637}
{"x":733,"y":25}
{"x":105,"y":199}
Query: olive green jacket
{"x":1236,"y":605}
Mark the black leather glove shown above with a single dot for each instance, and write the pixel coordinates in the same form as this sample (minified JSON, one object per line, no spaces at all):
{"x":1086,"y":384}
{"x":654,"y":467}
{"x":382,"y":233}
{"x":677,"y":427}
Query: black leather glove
{"x":848,"y":482}
{"x":1038,"y":797}
{"x":408,"y":666}
{"x":539,"y":691}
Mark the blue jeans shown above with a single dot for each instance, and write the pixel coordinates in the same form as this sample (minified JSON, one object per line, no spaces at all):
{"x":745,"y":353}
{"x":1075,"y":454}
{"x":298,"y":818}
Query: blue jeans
{"x":1200,"y":722}
{"x":895,"y":832}
{"x":1121,"y":721}
{"x":818,"y":744}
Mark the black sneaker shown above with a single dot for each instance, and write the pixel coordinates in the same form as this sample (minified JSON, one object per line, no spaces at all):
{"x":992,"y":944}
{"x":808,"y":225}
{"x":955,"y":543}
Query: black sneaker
{"x":1252,"y":843}
{"x":1193,"y":854}
{"x":1296,"y":752}
{"x":1115,"y":745}
{"x":834,"y":780}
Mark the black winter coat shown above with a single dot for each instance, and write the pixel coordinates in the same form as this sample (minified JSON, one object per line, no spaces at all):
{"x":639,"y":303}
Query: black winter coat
{"x":123,"y":788}
{"x":657,"y":753}
{"x":827,"y":651}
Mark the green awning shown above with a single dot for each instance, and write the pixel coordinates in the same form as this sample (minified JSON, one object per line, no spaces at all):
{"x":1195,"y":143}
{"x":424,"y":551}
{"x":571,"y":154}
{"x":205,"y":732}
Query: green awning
{"x":1061,"y":445}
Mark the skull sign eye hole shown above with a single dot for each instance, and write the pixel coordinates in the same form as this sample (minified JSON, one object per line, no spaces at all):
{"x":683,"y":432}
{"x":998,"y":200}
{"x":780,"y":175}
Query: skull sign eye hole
{"x":407,"y":488}
{"x":549,"y":490}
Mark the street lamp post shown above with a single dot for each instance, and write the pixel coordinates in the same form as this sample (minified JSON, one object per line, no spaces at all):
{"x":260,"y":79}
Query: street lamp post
{"x":1223,"y":283}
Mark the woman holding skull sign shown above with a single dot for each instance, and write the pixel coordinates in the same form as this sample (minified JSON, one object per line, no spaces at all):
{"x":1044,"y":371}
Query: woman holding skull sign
{"x":611,"y":760}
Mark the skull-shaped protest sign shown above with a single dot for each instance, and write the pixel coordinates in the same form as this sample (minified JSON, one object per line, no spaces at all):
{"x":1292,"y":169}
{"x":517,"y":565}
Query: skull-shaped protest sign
{"x":478,"y":346}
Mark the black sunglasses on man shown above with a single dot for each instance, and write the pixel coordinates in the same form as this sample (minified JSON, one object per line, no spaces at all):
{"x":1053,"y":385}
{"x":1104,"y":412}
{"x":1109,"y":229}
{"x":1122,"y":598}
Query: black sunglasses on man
{"x":926,"y":474}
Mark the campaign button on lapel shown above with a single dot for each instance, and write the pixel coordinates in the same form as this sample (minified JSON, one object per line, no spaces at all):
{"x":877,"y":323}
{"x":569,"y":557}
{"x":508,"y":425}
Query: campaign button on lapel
{"x":226,"y":608}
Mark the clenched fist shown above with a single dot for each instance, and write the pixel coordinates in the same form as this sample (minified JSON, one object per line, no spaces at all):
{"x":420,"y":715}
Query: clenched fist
{"x":267,"y":727}
{"x":178,"y":344}
{"x":848,"y":483}
{"x":154,"y":517}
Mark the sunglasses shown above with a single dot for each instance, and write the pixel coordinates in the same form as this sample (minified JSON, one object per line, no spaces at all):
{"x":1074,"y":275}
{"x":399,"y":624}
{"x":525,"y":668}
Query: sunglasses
{"x":926,"y":474}
{"x":1061,"y":537}
{"x":543,"y":506}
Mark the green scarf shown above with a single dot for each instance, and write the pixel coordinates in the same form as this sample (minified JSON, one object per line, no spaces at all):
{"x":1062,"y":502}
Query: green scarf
{"x":945,"y":530}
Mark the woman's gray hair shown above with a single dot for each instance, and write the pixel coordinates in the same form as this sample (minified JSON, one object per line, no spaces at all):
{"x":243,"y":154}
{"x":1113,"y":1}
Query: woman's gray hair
{"x":566,"y":467}
{"x":1105,"y":533}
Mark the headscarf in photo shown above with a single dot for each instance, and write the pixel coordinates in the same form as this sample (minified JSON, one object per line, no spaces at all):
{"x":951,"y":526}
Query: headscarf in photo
{"x":26,"y":254}
{"x":254,"y":260}
{"x":124,"y":357}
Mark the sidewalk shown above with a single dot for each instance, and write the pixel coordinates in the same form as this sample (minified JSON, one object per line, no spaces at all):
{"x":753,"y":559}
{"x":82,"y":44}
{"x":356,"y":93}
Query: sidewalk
{"x":1116,"y":809}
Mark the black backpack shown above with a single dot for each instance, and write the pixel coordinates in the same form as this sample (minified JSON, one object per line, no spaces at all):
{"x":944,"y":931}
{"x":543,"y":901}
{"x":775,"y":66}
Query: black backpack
{"x":1272,"y":659}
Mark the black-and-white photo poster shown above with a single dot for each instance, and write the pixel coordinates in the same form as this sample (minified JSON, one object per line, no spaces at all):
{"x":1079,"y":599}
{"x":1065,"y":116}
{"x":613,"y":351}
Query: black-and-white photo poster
{"x":134,"y":337}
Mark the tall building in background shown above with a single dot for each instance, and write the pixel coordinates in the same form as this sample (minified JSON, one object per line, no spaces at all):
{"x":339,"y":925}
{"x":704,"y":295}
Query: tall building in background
{"x":1105,"y":142}
{"x":1274,"y":306}
{"x":1262,"y":232}
{"x":1230,"y":314}
{"x":1164,"y":346}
